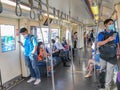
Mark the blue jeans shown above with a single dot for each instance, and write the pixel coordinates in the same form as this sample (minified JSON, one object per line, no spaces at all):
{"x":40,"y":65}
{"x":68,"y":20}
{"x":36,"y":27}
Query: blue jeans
{"x":31,"y":62}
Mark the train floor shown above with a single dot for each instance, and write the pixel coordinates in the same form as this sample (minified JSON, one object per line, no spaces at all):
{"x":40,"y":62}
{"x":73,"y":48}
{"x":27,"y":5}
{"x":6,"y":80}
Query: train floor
{"x":64,"y":78}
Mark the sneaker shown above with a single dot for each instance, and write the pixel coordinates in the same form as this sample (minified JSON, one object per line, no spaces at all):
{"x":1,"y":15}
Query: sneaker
{"x":31,"y":80}
{"x":37,"y":81}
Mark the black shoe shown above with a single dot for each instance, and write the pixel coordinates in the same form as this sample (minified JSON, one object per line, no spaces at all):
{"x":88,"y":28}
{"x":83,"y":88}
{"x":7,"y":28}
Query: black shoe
{"x":66,"y":65}
{"x":69,"y":59}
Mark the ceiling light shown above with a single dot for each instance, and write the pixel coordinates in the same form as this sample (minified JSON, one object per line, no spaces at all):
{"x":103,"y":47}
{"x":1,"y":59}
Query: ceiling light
{"x":94,"y":10}
{"x":51,"y":16}
{"x":96,"y":18}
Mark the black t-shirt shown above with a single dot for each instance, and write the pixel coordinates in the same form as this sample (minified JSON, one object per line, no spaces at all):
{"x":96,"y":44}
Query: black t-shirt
{"x":91,"y":35}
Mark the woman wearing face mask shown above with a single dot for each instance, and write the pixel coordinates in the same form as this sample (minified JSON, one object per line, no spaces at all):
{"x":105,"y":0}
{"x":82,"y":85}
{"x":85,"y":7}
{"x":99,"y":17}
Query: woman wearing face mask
{"x":42,"y":54}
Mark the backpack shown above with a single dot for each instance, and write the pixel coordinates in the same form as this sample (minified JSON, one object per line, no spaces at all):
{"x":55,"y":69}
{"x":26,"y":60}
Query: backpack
{"x":91,"y":35}
{"x":108,"y":51}
{"x":31,"y":37}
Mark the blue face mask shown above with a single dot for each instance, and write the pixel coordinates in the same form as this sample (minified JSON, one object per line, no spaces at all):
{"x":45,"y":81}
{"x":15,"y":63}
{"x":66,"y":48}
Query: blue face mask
{"x":111,"y":27}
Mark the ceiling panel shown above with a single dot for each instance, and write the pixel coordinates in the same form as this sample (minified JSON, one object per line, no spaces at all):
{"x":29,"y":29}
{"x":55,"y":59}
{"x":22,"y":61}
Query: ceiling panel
{"x":78,"y":8}
{"x":107,"y":8}
{"x":106,"y":11}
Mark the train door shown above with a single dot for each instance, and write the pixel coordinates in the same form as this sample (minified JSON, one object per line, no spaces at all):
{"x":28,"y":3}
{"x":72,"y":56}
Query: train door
{"x":9,"y":49}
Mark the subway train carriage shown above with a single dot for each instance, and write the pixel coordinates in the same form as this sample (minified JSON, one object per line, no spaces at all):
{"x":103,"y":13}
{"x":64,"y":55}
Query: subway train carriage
{"x":59,"y":45}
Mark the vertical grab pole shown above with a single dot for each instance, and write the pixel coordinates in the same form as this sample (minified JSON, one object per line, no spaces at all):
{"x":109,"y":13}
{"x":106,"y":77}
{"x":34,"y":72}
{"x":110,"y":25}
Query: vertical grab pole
{"x":72,"y":61}
{"x":44,"y":46}
{"x":53,"y":82}
{"x":39,"y":10}
{"x":79,"y":42}
{"x":97,"y":25}
{"x":71,"y":45}
{"x":1,"y":86}
{"x":95,"y":49}
{"x":39,"y":20}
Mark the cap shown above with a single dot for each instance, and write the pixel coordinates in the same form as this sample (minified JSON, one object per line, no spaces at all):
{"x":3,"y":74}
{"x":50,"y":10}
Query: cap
{"x":23,"y":30}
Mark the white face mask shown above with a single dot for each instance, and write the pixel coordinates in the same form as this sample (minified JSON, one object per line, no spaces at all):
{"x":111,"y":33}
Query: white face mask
{"x":25,"y":36}
{"x":111,"y":27}
{"x":41,"y":46}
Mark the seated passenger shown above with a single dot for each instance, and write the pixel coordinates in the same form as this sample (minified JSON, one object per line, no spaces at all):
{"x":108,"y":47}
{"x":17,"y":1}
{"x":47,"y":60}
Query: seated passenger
{"x":64,"y":42}
{"x":90,"y":68}
{"x":91,"y":62}
{"x":66,"y":47}
{"x":56,"y":49}
{"x":42,"y":53}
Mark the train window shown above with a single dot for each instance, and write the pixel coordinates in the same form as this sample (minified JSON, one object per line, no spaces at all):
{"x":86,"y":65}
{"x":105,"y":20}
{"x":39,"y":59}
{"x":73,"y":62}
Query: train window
{"x":45,"y":32}
{"x":54,"y":33}
{"x":67,"y":34}
{"x":7,"y":38}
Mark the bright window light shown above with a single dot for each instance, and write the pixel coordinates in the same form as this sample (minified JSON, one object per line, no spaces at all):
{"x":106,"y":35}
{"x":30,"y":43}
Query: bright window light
{"x":14,"y":4}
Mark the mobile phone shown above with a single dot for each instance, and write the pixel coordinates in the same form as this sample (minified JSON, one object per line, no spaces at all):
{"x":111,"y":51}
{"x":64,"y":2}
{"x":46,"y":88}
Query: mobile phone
{"x":19,"y":41}
{"x":114,"y":35}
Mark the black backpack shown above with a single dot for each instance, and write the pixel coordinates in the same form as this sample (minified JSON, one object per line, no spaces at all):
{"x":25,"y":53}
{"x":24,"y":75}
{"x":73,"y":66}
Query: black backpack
{"x":91,"y":35}
{"x":108,"y":51}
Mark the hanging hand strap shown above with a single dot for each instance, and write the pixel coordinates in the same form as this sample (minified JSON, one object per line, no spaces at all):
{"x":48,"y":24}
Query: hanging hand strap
{"x":18,"y":9}
{"x":32,"y":12}
{"x":39,"y":5}
{"x":40,"y":16}
{"x":1,"y":7}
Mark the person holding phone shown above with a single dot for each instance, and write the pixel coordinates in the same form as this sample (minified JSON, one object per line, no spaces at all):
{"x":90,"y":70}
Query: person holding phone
{"x":30,"y":52}
{"x":108,"y":43}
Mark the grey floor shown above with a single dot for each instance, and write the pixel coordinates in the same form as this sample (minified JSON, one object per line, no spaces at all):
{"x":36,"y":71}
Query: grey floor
{"x":64,"y":78}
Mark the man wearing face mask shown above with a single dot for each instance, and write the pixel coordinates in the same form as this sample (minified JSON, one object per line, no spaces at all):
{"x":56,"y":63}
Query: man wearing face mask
{"x":108,"y":43}
{"x":30,"y":52}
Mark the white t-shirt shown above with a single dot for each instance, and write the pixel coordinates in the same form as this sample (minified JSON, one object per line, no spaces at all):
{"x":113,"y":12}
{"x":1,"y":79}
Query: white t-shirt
{"x":59,"y":45}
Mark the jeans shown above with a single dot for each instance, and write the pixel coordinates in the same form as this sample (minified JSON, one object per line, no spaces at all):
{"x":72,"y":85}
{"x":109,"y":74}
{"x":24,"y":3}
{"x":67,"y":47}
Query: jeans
{"x":67,"y":54}
{"x":75,"y":44}
{"x":108,"y":68}
{"x":31,"y":62}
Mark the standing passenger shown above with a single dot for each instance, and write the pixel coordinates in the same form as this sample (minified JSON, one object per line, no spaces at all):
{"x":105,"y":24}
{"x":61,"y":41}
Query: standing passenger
{"x":75,"y":39}
{"x":30,"y":52}
{"x":92,"y":36}
{"x":108,"y":43}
